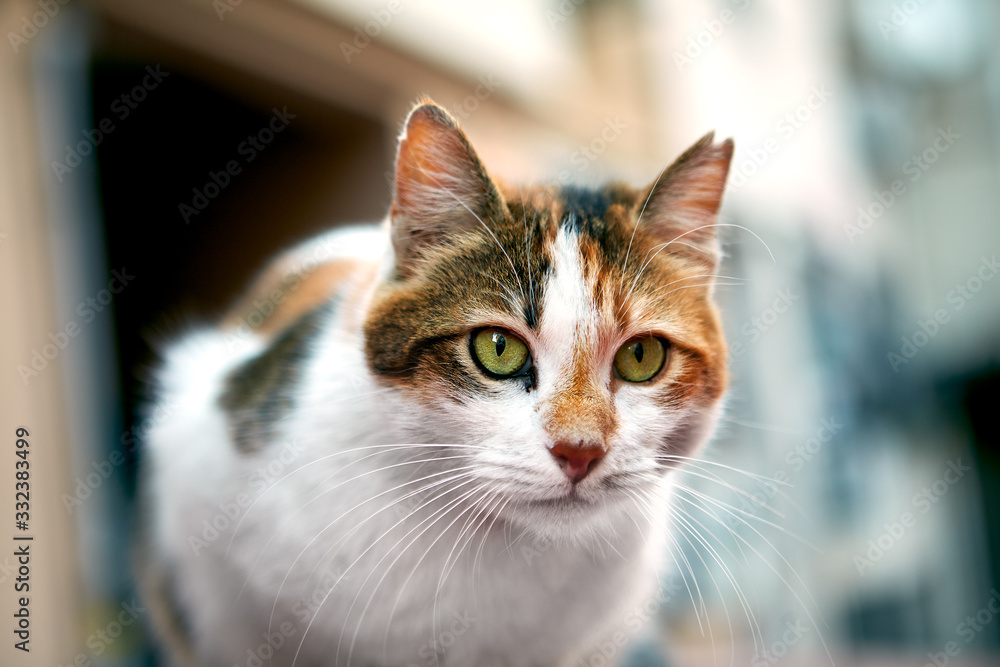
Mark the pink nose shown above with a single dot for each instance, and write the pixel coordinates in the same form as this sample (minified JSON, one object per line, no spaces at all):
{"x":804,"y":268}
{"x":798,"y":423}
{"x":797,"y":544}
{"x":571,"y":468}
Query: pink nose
{"x":576,"y":460}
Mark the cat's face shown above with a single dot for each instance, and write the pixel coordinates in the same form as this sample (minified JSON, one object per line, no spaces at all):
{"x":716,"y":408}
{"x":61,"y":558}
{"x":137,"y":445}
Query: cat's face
{"x":566,"y":337}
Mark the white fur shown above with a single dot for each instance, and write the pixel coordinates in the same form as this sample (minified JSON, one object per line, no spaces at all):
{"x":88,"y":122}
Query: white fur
{"x":325,"y":530}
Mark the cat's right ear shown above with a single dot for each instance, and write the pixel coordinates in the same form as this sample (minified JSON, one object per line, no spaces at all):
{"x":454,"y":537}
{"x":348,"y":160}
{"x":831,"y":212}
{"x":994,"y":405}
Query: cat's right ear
{"x":441,"y":187}
{"x":681,"y":207}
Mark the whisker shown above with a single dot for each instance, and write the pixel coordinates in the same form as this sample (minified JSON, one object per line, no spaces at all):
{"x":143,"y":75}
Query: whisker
{"x":763,"y":478}
{"x":503,"y":286}
{"x":513,"y":305}
{"x":362,"y":555}
{"x":712,"y":284}
{"x":642,"y":500}
{"x":791,"y":590}
{"x":323,"y":458}
{"x":445,"y":570}
{"x":732,"y":511}
{"x":659,"y":248}
{"x":798,"y":598}
{"x":434,"y":485}
{"x":485,"y":502}
{"x":741,"y":596}
{"x":700,"y":275}
{"x":399,"y":596}
{"x":638,"y":220}
{"x":762,"y":427}
{"x":441,"y":514}
{"x":496,"y":512}
{"x":333,"y":488}
{"x":735,"y":489}
{"x":464,"y":473}
{"x":499,"y":245}
{"x":771,"y":484}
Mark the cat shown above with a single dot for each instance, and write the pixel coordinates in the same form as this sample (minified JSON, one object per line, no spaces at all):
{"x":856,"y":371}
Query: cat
{"x":446,"y":439}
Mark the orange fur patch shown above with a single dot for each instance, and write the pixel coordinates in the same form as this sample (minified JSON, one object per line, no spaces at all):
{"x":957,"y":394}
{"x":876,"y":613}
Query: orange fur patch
{"x":582,"y":411}
{"x":281,"y":296}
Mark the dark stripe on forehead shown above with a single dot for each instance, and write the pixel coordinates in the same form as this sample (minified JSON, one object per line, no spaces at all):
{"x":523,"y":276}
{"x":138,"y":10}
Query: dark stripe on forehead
{"x":537,"y":268}
{"x":531,"y":313}
{"x":583,"y":207}
{"x":524,"y":237}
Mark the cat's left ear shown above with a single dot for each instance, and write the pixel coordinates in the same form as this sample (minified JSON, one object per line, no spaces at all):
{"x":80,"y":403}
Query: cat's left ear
{"x":441,"y":187}
{"x":682,"y":205}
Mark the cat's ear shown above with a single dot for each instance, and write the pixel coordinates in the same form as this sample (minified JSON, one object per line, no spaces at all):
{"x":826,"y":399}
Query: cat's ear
{"x":441,"y":187}
{"x":680,"y":208}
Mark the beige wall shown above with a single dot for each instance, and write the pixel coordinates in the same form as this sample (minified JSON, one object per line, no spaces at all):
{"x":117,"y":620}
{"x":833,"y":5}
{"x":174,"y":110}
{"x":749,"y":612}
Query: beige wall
{"x":27,"y":304}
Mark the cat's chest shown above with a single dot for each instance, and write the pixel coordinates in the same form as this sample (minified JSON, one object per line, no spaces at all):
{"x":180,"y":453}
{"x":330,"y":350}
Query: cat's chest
{"x":464,"y":601}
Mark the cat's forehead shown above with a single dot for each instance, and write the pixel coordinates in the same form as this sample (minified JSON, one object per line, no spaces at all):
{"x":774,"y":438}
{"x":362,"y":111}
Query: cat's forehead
{"x":556,"y":261}
{"x":583,"y":205}
{"x":593,"y":234}
{"x":600,"y":213}
{"x":579,"y":235}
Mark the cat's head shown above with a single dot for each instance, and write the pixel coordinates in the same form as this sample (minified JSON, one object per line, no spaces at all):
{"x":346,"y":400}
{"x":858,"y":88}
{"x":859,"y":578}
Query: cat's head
{"x":566,"y":336}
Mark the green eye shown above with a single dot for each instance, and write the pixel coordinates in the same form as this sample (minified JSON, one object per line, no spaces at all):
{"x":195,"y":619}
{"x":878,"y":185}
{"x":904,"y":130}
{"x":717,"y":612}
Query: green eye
{"x":499,"y":352}
{"x":640,"y":359}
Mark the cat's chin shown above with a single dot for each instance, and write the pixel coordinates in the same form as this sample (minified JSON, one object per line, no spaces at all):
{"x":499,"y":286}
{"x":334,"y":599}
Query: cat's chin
{"x":571,"y":517}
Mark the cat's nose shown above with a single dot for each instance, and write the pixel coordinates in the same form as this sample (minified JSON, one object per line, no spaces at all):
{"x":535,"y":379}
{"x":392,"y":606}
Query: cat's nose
{"x":576,"y":460}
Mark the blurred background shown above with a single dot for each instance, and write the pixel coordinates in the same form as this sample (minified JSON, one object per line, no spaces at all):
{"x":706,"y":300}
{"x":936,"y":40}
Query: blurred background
{"x":154,"y":153}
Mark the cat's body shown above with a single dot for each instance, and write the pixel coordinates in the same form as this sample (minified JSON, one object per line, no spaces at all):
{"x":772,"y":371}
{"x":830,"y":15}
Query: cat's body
{"x":348,"y":477}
